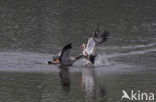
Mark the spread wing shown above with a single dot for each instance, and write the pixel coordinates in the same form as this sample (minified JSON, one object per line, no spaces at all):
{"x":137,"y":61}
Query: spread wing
{"x":91,"y":46}
{"x":102,"y":38}
{"x":65,"y":54}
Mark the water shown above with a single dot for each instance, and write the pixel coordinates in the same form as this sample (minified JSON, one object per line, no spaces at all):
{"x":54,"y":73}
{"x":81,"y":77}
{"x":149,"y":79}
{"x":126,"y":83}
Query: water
{"x":31,"y":32}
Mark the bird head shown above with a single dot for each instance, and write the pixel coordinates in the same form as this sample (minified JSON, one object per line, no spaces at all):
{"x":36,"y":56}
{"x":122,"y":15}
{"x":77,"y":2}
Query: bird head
{"x":83,"y":46}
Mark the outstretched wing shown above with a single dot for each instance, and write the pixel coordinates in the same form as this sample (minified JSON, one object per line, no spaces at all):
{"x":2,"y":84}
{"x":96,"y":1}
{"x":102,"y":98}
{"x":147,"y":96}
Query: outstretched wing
{"x":65,"y":54}
{"x":91,"y":46}
{"x":102,"y":38}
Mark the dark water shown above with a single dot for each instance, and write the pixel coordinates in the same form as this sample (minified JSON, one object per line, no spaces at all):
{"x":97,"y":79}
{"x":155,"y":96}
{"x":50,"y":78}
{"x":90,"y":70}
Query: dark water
{"x":32,"y":31}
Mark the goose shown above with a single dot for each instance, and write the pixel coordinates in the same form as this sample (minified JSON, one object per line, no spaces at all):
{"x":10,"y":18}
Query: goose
{"x":89,"y":49}
{"x":64,"y":58}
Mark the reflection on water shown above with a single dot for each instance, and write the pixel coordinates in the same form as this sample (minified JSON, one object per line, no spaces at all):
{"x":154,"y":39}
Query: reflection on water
{"x":65,"y":79}
{"x":88,"y":85}
{"x":88,"y":82}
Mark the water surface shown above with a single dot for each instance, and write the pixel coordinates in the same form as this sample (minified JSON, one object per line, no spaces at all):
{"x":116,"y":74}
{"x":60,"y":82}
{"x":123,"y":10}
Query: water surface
{"x":31,"y":32}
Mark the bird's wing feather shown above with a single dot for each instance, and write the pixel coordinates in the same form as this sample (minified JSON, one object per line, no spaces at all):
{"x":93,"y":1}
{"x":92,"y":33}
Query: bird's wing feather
{"x":102,"y":38}
{"x":65,"y":54}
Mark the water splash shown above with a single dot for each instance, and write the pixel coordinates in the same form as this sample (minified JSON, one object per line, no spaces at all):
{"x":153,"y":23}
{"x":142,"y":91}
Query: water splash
{"x":102,"y":60}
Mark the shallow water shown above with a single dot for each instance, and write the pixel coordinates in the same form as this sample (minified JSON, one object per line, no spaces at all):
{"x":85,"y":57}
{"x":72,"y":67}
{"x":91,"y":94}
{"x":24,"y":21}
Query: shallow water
{"x":33,"y":31}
